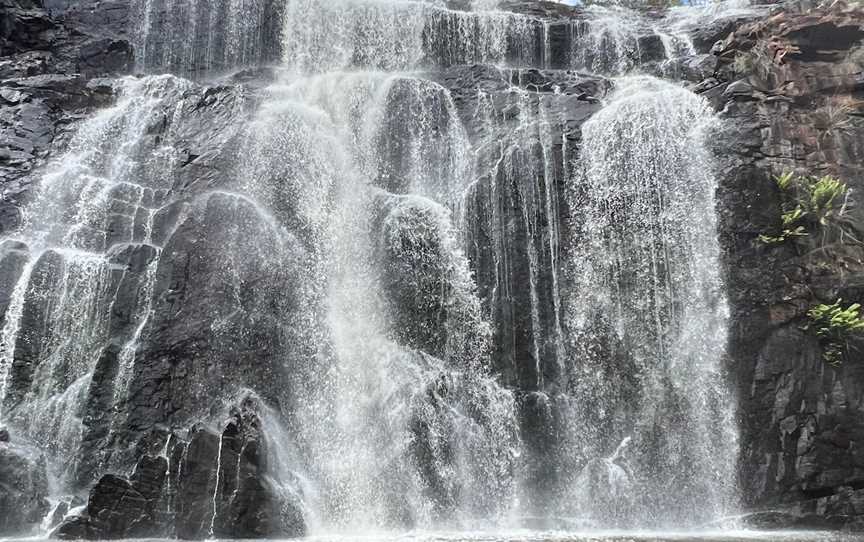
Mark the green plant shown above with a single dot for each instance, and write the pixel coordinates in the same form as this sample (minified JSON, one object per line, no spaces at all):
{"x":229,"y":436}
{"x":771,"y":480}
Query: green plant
{"x":784,"y":181}
{"x":791,"y":217}
{"x":824,"y":193}
{"x":809,"y":202}
{"x":834,"y":324}
{"x":784,"y":235}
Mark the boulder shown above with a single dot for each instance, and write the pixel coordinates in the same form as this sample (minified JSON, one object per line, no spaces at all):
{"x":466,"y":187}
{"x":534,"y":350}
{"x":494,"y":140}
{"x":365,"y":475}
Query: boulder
{"x":426,"y":277}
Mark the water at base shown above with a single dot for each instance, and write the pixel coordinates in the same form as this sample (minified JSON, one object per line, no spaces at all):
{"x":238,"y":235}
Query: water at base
{"x":525,"y":535}
{"x":598,"y":536}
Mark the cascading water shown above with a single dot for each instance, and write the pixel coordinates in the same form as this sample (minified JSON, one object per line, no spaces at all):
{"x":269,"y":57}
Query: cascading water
{"x":93,"y":210}
{"x":410,"y":440}
{"x":410,"y":246}
{"x":196,"y":36}
{"x":647,"y":315}
{"x":322,"y":35}
{"x":609,"y":42}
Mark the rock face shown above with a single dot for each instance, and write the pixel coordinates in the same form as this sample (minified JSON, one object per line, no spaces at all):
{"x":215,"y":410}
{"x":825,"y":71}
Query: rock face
{"x":50,"y":61}
{"x":199,"y":290}
{"x":208,"y":484}
{"x":789,"y":87}
{"x":23,"y":487}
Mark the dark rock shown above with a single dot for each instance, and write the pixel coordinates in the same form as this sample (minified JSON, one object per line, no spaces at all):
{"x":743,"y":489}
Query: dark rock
{"x":23,"y":489}
{"x":120,"y":508}
{"x":435,"y":308}
{"x":76,"y":528}
{"x":801,"y":436}
{"x":515,"y":180}
{"x":13,"y":257}
{"x":797,"y":108}
{"x":43,"y":291}
{"x":739,"y":90}
{"x":4,"y":434}
{"x":691,"y":68}
{"x":194,"y":509}
{"x":25,"y":64}
{"x":651,"y":48}
{"x":213,"y":485}
{"x":179,"y":350}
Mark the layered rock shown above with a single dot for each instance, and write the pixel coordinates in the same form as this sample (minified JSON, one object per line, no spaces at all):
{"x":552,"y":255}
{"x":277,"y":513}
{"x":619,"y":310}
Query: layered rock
{"x":207,"y":484}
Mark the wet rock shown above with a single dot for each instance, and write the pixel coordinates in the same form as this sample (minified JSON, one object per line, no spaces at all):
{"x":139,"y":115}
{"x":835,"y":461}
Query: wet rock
{"x":13,"y":257}
{"x":801,"y":436}
{"x":691,"y":68}
{"x":211,"y":485}
{"x":739,"y":90}
{"x":651,"y":48}
{"x":76,"y":528}
{"x":23,"y":489}
{"x":801,"y":518}
{"x":37,"y":115}
{"x":181,"y":362}
{"x":433,"y":300}
{"x":195,"y":493}
{"x":504,"y":200}
{"x":115,"y":509}
{"x":252,"y":505}
{"x":42,"y":292}
{"x":58,"y":514}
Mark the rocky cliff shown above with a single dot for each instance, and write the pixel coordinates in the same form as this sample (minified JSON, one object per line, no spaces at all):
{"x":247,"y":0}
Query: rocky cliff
{"x":793,"y":100}
{"x":171,"y":410}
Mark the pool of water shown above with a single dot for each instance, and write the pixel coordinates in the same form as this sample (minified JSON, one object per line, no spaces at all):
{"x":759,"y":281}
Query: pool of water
{"x":561,"y":536}
{"x":598,"y":536}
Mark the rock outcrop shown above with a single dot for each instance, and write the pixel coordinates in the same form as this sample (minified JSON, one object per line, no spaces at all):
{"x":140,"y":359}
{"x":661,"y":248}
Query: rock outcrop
{"x":789,"y":87}
{"x":206,"y":484}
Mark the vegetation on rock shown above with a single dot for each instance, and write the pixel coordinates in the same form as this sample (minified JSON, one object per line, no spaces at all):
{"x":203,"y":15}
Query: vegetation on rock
{"x":834,"y":325}
{"x":810,"y":203}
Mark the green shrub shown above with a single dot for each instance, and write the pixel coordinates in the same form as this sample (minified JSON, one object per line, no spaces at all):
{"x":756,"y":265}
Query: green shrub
{"x":834,"y":324}
{"x":809,"y":203}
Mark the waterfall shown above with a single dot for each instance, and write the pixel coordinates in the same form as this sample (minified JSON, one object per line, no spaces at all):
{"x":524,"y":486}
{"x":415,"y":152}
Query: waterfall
{"x":609,"y":42}
{"x":410,"y":440}
{"x":465,"y":287}
{"x":327,"y":35}
{"x":91,"y":213}
{"x":647,"y":316}
{"x":195,"y":36}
